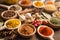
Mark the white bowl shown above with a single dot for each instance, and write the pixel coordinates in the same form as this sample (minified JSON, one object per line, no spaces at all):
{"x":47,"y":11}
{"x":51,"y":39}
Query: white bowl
{"x":37,"y":6}
{"x":50,"y":37}
{"x":27,"y":36}
{"x":15,"y":5}
{"x":24,"y":6}
{"x":8,"y":17}
{"x":49,"y":1}
{"x":12,"y":28}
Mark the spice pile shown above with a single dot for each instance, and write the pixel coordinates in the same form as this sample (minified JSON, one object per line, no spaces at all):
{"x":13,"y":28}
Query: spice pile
{"x":45,"y":31}
{"x":26,"y":30}
{"x":39,"y":3}
{"x":9,"y":14}
{"x":8,"y":34}
{"x":55,"y":21}
{"x":13,"y":23}
{"x":25,"y":2}
{"x":15,"y":7}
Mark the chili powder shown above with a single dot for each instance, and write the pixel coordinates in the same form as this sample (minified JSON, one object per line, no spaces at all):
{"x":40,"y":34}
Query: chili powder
{"x":46,"y":31}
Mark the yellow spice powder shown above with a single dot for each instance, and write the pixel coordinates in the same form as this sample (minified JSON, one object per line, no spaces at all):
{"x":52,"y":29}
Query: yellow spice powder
{"x":12,"y":24}
{"x":39,"y":4}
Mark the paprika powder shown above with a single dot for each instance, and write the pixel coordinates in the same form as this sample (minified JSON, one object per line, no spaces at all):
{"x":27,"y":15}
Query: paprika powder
{"x":46,"y":31}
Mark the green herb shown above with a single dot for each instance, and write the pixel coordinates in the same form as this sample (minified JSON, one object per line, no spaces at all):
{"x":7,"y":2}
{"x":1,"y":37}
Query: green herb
{"x":55,"y":21}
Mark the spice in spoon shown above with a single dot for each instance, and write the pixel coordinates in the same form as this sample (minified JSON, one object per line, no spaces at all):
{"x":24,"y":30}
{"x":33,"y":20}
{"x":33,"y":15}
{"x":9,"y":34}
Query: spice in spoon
{"x":45,"y":31}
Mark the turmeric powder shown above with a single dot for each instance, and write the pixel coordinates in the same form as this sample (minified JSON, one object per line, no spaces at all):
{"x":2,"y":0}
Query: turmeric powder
{"x":12,"y":23}
{"x":38,"y":3}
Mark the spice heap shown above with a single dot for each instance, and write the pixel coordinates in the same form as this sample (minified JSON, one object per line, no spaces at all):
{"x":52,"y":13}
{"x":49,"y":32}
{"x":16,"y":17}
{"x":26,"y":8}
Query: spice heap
{"x":55,"y":21}
{"x":25,"y":2}
{"x":26,"y":30}
{"x":12,"y":23}
{"x":49,"y":2}
{"x":50,"y":8}
{"x":45,"y":31}
{"x":39,"y":3}
{"x":56,"y":14}
{"x":9,"y":14}
{"x":10,"y":1}
{"x":15,"y":7}
{"x":8,"y":34}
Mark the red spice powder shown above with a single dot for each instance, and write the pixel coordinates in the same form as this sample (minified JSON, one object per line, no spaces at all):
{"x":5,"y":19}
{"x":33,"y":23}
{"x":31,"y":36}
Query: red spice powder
{"x":45,"y":31}
{"x":49,"y":2}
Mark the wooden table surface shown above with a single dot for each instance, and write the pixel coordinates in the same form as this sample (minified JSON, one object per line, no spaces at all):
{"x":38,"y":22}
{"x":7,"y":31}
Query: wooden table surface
{"x":37,"y":37}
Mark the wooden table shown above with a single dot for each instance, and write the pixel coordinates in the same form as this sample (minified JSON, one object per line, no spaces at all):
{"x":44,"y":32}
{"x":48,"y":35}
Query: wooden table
{"x":37,"y":37}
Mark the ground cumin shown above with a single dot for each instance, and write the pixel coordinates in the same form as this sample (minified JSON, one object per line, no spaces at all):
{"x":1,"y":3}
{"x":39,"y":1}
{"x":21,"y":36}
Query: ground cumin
{"x":45,"y":31}
{"x":26,"y":30}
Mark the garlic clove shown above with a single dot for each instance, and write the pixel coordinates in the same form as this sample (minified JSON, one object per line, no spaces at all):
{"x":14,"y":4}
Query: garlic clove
{"x":28,"y":15}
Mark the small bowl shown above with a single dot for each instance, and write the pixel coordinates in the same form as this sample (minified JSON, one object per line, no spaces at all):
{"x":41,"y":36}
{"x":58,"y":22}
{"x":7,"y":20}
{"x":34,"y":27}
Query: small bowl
{"x":10,"y":20}
{"x":52,"y":25}
{"x":20,"y":8}
{"x":9,"y":17}
{"x":51,"y":2}
{"x":57,"y":4}
{"x":56,"y":14}
{"x":38,"y":6}
{"x":44,"y":36}
{"x":50,"y":8}
{"x":25,"y":5}
{"x":27,"y":36}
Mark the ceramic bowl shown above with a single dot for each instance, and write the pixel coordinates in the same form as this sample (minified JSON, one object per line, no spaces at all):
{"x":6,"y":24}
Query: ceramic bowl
{"x":20,"y":8}
{"x":52,"y":25}
{"x":10,"y":20}
{"x":8,"y":17}
{"x":50,"y":36}
{"x":26,"y":36}
{"x":24,"y":6}
{"x":38,"y":6}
